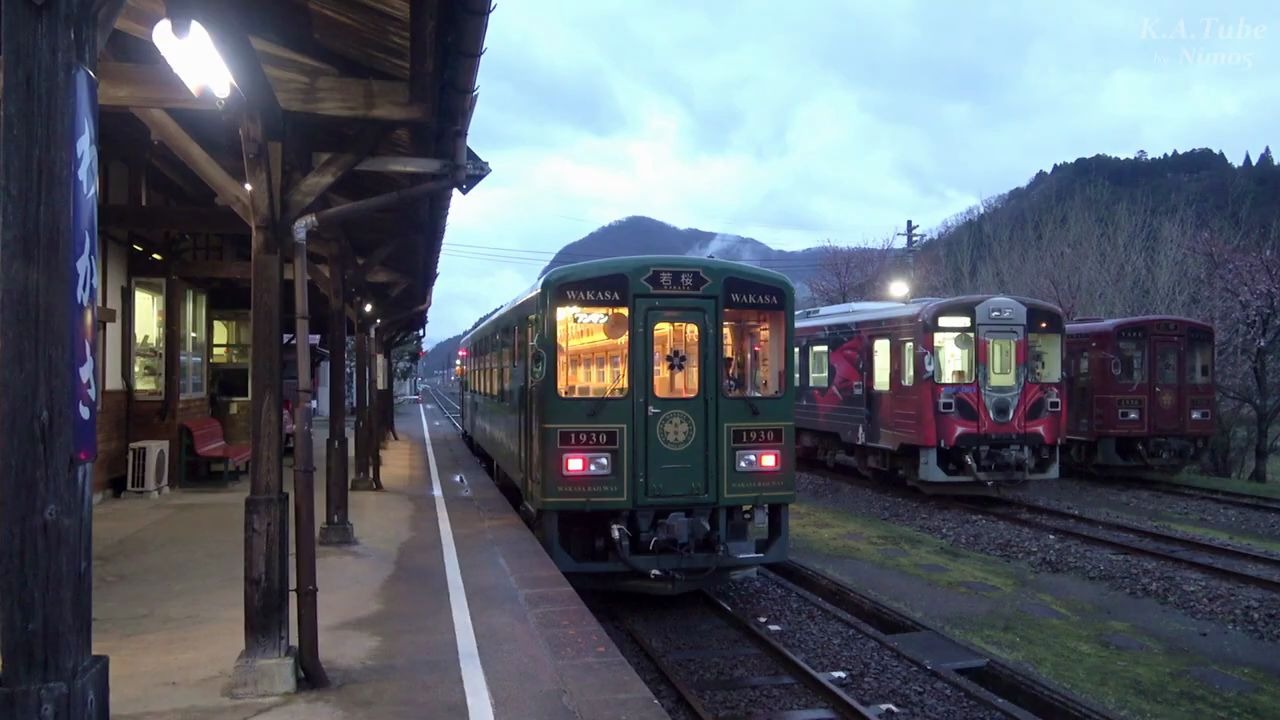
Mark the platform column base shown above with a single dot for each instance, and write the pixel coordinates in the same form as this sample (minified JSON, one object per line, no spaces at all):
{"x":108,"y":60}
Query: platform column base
{"x":265,"y":676}
{"x":85,"y":698}
{"x":339,"y":534}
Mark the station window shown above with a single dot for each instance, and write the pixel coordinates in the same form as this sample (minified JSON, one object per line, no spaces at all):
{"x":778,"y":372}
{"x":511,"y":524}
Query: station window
{"x":953,"y":357}
{"x":1200,"y":362}
{"x":908,"y":363}
{"x":752,"y":346}
{"x":590,"y":341}
{"x":229,"y":354}
{"x":880,"y":359}
{"x":1128,"y":366}
{"x":1001,"y":368}
{"x":193,"y":340}
{"x":148,"y":337}
{"x":1045,"y":365}
{"x":818,"y":366}
{"x":676,"y":349}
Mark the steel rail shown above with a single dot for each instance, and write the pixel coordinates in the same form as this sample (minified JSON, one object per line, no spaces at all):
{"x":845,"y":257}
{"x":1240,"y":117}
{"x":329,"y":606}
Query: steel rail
{"x":1226,"y":497}
{"x":451,"y":417}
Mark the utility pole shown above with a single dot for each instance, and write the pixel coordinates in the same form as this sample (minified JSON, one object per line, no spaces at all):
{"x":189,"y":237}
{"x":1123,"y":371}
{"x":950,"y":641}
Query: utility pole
{"x":48,"y":307}
{"x":913,"y":240}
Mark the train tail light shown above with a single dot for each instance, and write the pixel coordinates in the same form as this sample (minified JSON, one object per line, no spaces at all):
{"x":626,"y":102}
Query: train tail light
{"x":1130,"y":414}
{"x":587,"y":464}
{"x":758,"y":460}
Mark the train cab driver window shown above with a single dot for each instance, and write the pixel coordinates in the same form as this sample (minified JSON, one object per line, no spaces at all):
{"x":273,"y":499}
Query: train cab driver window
{"x":753,"y":347}
{"x":953,"y":357}
{"x":1200,"y":362}
{"x":587,"y":340}
{"x":1130,"y":363}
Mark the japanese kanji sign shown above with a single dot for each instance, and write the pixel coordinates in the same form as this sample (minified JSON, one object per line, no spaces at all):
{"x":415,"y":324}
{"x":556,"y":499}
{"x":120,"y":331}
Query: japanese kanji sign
{"x":84,"y":269}
{"x":675,"y":280}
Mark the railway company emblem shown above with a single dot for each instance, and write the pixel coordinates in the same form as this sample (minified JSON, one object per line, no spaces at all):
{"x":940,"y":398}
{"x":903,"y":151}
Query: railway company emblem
{"x":1166,"y":401}
{"x":676,"y":360}
{"x":676,"y":430}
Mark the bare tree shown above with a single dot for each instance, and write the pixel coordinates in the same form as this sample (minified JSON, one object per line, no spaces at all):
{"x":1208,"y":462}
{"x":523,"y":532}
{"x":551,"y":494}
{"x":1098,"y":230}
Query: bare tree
{"x":848,"y":273}
{"x":1245,"y":277}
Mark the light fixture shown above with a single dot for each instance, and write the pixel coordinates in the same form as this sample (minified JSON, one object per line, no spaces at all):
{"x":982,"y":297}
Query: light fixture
{"x":248,"y":187}
{"x":156,"y":256}
{"x":193,"y":58}
{"x":138,"y":248}
{"x":899,"y":289}
{"x":368,"y":307}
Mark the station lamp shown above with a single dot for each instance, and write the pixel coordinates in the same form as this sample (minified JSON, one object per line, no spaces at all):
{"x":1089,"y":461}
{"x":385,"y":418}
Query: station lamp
{"x":368,"y":307}
{"x":189,"y":50}
{"x":899,"y":289}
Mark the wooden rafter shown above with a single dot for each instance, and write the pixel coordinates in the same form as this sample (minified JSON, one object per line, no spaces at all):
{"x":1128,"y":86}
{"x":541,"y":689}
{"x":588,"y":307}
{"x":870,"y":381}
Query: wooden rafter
{"x":396,"y":164}
{"x":328,"y":172}
{"x":172,"y":218}
{"x":167,"y":130}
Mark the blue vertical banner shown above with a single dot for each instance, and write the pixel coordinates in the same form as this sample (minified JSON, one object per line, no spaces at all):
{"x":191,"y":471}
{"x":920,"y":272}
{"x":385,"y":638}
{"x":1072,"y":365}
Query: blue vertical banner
{"x":84,"y":268}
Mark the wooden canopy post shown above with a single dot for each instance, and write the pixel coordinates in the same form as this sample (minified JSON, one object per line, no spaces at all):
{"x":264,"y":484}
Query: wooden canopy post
{"x":362,"y":480}
{"x":48,"y":290}
{"x":377,"y":376}
{"x":337,"y":528}
{"x":267,"y":666}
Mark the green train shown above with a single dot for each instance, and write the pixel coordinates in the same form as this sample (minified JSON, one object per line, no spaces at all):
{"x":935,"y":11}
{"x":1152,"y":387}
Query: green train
{"x":641,"y":410}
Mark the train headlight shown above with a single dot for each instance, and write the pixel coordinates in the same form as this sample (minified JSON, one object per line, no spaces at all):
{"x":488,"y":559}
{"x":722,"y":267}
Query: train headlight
{"x":1130,"y":414}
{"x":587,"y":464}
{"x":1200,"y":415}
{"x":758,"y":460}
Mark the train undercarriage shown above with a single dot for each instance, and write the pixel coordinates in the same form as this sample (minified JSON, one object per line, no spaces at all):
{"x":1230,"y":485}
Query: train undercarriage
{"x":1137,"y":455}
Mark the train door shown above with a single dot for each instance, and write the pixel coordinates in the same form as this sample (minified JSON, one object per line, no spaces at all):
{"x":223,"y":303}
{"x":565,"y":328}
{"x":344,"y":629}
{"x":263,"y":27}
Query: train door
{"x":529,"y":445}
{"x":1080,"y":399}
{"x":1166,"y":411}
{"x":1000,"y":379}
{"x":906,"y":412}
{"x":675,"y":415}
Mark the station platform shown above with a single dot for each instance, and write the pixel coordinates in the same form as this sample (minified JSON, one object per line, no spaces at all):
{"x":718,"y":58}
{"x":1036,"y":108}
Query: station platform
{"x":405,"y":632}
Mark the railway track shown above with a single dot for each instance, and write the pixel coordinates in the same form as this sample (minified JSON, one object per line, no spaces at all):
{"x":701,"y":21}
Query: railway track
{"x":1224,"y":497}
{"x":775,"y":681}
{"x":1253,"y":568}
{"x":445,"y":403}
{"x":1001,"y":686}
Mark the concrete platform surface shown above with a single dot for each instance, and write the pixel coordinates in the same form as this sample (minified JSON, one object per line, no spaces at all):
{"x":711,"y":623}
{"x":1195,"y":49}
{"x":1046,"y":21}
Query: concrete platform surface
{"x":168,"y":604}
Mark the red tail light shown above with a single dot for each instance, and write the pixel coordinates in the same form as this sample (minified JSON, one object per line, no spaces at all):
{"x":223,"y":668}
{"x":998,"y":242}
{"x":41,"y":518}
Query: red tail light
{"x":575,"y":463}
{"x":769,"y":459}
{"x":587,"y":464}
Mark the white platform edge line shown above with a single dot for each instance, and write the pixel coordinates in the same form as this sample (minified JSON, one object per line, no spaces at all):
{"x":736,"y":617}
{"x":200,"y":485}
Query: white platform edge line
{"x":474,"y":684}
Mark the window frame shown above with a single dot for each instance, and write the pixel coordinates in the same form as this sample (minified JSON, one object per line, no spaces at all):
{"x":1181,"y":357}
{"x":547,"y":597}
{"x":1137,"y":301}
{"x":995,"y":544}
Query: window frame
{"x":825,"y":349}
{"x":187,"y":344}
{"x":907,"y":371}
{"x":237,"y":318}
{"x":161,"y":336}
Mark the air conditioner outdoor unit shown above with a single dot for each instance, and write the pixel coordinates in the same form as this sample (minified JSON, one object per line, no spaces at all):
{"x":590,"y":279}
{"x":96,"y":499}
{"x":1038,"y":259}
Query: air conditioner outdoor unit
{"x":148,"y":468}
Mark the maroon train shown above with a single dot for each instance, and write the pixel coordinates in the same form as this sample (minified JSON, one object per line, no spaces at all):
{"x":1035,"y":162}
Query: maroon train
{"x":955,"y":394}
{"x":1141,"y":393}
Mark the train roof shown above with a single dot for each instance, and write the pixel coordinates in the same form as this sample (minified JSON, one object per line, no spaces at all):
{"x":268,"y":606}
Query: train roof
{"x":1095,"y":324}
{"x":631,"y":265}
{"x":925,"y":308}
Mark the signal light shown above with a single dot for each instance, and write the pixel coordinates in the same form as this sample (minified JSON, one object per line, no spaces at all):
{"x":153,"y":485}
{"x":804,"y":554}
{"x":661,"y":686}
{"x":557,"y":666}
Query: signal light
{"x":574,"y":463}
{"x":769,"y":460}
{"x":758,"y":460}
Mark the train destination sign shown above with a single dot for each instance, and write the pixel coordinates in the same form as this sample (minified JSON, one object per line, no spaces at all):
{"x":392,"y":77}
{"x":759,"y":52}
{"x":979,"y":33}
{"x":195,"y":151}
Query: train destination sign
{"x":675,"y":280}
{"x":587,"y":438}
{"x":748,"y":295}
{"x":606,"y":290}
{"x":757,"y":436}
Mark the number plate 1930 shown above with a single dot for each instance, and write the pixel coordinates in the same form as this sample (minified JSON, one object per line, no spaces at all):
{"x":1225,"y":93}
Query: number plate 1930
{"x":757,"y":436}
{"x":587,"y":439}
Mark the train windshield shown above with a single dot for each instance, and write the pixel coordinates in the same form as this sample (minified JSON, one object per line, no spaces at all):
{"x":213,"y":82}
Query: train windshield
{"x":1001,"y":366}
{"x":1200,"y":362}
{"x":1045,"y":362}
{"x":953,"y":353}
{"x":753,"y":347}
{"x":592,"y":345}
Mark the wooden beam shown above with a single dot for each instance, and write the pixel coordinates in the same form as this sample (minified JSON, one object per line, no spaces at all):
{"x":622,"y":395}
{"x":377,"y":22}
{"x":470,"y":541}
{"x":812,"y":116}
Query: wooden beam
{"x":328,"y":172}
{"x":240,"y":270}
{"x":346,"y":97}
{"x":108,"y":12}
{"x":167,"y":130}
{"x":375,"y":258}
{"x":396,"y":164}
{"x":225,"y":21}
{"x":172,"y":218}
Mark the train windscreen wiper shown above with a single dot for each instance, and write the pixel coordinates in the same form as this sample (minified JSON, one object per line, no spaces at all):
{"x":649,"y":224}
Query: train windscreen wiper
{"x":600,"y":400}
{"x":751,"y":404}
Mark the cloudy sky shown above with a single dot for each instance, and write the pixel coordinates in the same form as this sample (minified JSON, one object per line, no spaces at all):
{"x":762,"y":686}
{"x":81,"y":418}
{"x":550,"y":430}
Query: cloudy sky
{"x":797,"y":122}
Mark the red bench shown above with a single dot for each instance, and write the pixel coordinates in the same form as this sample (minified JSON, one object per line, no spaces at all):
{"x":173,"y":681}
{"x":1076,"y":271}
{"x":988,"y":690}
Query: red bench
{"x":209,"y":444}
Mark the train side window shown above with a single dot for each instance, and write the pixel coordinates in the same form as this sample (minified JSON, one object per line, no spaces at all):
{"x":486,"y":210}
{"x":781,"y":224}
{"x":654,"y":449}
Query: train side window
{"x":818,"y":377}
{"x":880,"y":359}
{"x":1200,"y":363}
{"x":908,"y":363}
{"x":676,"y":349}
{"x":1000,"y":365}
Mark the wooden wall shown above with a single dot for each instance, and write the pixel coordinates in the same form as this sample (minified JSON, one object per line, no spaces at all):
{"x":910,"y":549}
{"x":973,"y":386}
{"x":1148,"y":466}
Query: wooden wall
{"x":113,"y":454}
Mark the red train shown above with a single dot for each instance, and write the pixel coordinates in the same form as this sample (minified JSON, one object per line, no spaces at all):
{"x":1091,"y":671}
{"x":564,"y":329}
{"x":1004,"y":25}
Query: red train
{"x":960,"y":393}
{"x":1141,"y":392}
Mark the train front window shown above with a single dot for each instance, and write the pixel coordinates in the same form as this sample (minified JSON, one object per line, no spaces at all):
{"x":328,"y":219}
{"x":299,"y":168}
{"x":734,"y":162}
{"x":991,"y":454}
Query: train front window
{"x":752,"y":347}
{"x":676,"y":349}
{"x":589,"y":339}
{"x":1001,"y":368}
{"x":1200,"y":363}
{"x":1128,"y":365}
{"x":1045,"y":365}
{"x":953,"y":357}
